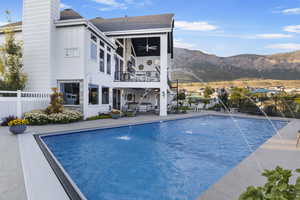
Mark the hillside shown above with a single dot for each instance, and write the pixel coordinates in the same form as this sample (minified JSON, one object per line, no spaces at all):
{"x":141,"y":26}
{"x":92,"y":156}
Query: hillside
{"x":192,"y":65}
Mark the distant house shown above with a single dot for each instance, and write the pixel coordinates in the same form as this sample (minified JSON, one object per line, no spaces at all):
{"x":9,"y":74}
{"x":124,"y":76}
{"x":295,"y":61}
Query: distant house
{"x":98,"y":64}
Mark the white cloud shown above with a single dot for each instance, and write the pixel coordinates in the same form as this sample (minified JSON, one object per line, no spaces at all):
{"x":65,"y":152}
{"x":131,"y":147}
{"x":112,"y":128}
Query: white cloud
{"x":273,"y":36}
{"x":292,"y":28}
{"x":195,"y":26}
{"x":111,"y":5}
{"x":286,"y":46}
{"x":291,"y":11}
{"x":3,"y":23}
{"x":180,"y":44}
{"x":64,"y":6}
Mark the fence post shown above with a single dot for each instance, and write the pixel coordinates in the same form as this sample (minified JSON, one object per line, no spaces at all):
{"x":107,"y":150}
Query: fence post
{"x":19,"y":104}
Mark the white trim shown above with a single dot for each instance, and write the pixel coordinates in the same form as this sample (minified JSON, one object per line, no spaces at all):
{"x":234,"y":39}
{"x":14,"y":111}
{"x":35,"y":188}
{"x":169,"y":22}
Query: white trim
{"x":141,"y":31}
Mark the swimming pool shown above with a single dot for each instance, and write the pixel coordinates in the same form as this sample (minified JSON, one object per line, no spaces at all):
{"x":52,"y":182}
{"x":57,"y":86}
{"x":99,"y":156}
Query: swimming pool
{"x":170,"y":160}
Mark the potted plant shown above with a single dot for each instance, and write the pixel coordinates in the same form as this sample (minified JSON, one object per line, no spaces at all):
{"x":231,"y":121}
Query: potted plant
{"x":115,"y":114}
{"x":18,"y":126}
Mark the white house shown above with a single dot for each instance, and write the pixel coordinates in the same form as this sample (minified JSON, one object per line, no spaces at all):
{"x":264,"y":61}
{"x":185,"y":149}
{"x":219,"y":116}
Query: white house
{"x":98,"y":64}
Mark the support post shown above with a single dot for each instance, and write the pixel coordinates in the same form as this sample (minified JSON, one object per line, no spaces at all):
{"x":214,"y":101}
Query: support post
{"x":19,"y":104}
{"x":163,"y":75}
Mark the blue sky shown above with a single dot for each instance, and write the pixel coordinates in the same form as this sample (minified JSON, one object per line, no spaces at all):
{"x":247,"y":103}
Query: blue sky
{"x":221,"y":27}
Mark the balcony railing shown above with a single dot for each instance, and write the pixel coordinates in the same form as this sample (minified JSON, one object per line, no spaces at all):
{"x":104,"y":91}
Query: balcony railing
{"x":138,"y":76}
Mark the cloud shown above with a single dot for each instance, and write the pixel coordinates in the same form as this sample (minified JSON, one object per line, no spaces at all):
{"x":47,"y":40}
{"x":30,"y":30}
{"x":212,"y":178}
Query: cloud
{"x":180,"y":44}
{"x":111,"y":5}
{"x":291,"y":11}
{"x":3,"y":23}
{"x":292,"y":28}
{"x":273,"y":36}
{"x":64,"y":6}
{"x":195,"y":26}
{"x":286,"y":46}
{"x":123,"y":5}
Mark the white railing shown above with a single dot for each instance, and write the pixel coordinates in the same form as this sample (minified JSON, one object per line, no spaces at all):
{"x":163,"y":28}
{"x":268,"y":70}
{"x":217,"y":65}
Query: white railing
{"x":17,"y":103}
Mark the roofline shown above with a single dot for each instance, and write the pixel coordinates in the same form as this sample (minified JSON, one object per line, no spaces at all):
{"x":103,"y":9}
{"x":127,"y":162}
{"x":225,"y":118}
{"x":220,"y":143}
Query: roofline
{"x":140,"y":31}
{"x":84,"y":22}
{"x":15,"y":29}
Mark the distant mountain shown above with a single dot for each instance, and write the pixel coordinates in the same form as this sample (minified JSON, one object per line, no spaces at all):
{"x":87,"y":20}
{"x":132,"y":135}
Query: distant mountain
{"x":193,"y":65}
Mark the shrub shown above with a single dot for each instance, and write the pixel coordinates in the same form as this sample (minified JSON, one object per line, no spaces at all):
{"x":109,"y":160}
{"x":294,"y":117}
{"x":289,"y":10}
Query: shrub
{"x":6,"y":120}
{"x":278,"y":187}
{"x":41,"y":117}
{"x":56,"y":102}
{"x":129,"y":114}
{"x":100,"y":116}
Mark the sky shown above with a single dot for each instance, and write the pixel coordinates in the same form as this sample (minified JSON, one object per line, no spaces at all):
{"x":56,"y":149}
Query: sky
{"x":220,"y":27}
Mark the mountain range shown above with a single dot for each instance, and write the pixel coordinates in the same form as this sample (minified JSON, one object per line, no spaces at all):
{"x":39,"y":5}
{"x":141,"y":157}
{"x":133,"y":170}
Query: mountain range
{"x":194,"y":65}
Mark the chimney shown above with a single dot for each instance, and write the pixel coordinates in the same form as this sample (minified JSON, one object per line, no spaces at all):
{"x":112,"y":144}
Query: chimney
{"x":38,"y":32}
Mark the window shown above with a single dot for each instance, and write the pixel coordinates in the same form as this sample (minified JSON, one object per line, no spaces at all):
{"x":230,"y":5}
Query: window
{"x":93,"y":94}
{"x":93,"y":38}
{"x":71,"y":52}
{"x":108,"y":64}
{"x":108,"y":49}
{"x":117,"y":68}
{"x":102,"y":43}
{"x":93,"y":51}
{"x":70,"y":93}
{"x":105,"y":95}
{"x":101,"y":57}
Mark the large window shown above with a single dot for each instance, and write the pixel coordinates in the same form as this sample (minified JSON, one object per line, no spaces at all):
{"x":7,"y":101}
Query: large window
{"x":93,"y":51}
{"x":105,"y":95}
{"x":93,"y":94}
{"x":101,"y":62}
{"x":108,"y":66}
{"x":70,"y":93}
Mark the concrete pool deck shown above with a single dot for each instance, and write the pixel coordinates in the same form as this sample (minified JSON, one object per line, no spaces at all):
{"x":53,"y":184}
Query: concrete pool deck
{"x":12,"y":184}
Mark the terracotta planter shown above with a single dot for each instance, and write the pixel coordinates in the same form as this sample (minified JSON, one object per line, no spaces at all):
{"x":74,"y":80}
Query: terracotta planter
{"x":17,"y":129}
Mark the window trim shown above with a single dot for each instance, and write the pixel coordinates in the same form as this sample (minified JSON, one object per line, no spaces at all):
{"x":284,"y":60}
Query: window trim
{"x":67,"y":81}
{"x":93,"y":86}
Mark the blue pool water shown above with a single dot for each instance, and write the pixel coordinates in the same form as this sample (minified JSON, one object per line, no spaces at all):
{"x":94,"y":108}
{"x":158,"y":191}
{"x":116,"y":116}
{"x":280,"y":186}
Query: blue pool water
{"x":172,"y":160}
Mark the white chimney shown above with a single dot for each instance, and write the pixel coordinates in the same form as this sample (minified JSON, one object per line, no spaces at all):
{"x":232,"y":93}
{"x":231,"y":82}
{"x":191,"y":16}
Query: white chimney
{"x":38,"y":32}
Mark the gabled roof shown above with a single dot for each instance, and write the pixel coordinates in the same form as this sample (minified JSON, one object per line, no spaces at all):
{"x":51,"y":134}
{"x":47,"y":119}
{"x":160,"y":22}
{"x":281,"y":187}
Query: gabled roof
{"x":134,"y":23}
{"x":66,"y":14}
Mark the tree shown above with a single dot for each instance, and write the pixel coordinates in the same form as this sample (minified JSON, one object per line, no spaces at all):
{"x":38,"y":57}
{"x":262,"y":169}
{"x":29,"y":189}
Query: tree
{"x":11,"y":74}
{"x":278,"y":187}
{"x":208,"y":91}
{"x":238,"y":96}
{"x":223,"y":98}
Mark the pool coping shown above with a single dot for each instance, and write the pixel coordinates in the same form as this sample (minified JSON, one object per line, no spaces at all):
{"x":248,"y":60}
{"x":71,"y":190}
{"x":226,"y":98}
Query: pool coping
{"x":66,"y":181}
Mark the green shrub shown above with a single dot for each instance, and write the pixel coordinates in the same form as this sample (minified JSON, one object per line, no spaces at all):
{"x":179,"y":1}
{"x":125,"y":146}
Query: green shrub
{"x":100,"y":116}
{"x":41,"y":117}
{"x":278,"y":187}
{"x":128,"y":114}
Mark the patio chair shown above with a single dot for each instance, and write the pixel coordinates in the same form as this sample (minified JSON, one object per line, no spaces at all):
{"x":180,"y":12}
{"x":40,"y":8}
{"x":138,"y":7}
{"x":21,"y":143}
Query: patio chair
{"x":298,"y":138}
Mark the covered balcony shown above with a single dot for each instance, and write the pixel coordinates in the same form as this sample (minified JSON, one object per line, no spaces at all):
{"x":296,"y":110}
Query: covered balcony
{"x":139,"y":59}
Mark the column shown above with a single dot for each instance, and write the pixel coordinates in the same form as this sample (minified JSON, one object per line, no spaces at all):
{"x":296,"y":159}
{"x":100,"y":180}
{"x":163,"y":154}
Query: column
{"x":163,"y":75}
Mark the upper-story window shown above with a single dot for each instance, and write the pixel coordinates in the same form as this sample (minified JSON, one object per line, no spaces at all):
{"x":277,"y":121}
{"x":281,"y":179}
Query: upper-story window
{"x":108,"y":49}
{"x":93,"y":38}
{"x":93,"y":47}
{"x":108,"y":65}
{"x":101,"y":60}
{"x":102,"y":43}
{"x":71,"y":52}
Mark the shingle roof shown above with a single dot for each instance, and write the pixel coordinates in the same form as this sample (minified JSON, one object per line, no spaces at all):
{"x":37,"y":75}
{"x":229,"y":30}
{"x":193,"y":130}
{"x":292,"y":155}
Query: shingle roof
{"x":69,"y":14}
{"x":12,"y":24}
{"x":66,"y":14}
{"x":119,"y":24}
{"x":134,"y":23}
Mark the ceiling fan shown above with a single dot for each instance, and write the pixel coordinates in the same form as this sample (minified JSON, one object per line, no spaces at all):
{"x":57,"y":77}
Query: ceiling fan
{"x":148,"y":47}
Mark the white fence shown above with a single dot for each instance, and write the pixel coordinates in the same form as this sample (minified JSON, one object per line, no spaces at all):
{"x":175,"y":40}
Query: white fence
{"x":17,"y":102}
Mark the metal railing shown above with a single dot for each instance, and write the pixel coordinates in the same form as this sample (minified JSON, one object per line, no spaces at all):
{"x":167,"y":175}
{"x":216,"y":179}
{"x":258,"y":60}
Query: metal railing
{"x":138,"y":76}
